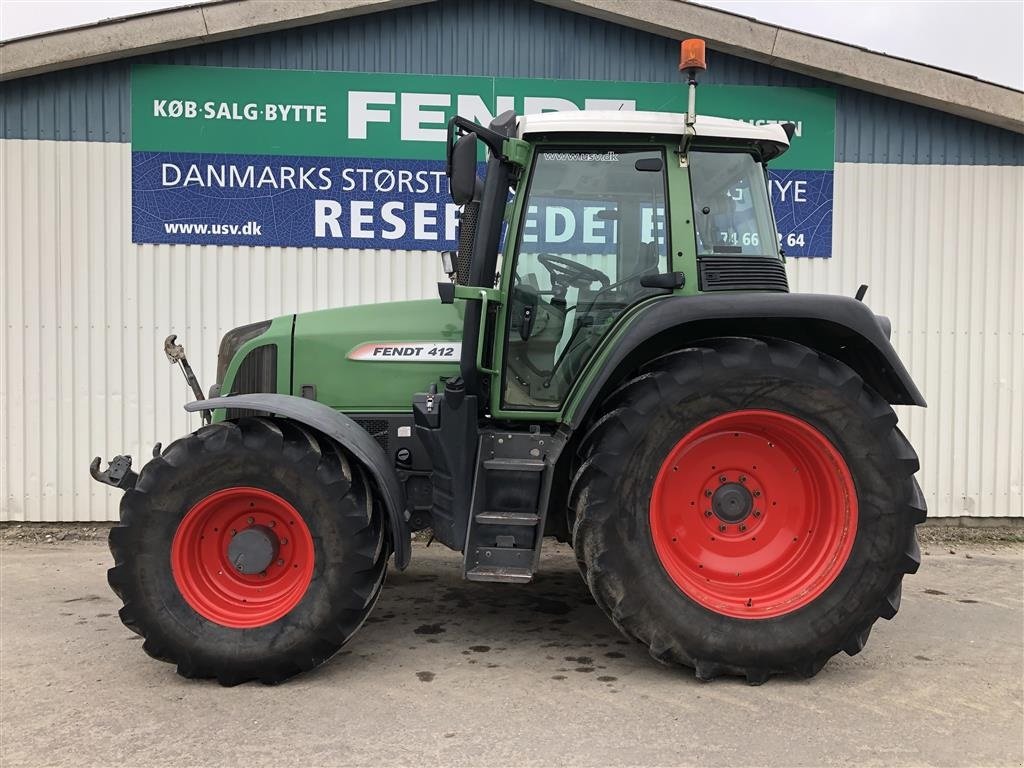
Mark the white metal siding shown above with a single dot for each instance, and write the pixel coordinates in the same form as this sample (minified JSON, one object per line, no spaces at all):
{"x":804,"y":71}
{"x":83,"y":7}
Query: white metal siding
{"x":942,"y":249}
{"x":85,"y":313}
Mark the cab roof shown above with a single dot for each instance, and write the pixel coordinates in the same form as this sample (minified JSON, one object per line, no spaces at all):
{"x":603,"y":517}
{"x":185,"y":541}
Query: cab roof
{"x":771,"y":138}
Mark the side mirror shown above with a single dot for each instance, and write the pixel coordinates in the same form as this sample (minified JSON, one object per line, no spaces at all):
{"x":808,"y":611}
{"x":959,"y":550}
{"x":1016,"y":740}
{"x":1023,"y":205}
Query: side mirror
{"x":462,"y":169}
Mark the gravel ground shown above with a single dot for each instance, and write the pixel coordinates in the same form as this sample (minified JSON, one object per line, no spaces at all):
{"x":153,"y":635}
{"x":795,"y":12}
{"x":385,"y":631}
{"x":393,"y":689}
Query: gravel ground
{"x":935,"y":534}
{"x":448,"y":672}
{"x":51,"y":533}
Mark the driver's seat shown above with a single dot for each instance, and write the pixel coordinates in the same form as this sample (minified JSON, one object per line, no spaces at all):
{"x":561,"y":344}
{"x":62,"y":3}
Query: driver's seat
{"x":571,"y":359}
{"x":647,"y":259}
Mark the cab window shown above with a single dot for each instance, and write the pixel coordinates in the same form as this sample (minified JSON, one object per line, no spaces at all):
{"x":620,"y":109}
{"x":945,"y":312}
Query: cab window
{"x":731,"y":211}
{"x":593,"y":226}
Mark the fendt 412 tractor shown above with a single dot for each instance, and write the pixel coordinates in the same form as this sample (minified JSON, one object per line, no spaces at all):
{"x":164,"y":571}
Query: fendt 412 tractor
{"x":615,"y":362}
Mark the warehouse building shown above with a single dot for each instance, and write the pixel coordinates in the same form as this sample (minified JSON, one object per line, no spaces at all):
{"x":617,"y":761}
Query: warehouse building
{"x":192,"y":170}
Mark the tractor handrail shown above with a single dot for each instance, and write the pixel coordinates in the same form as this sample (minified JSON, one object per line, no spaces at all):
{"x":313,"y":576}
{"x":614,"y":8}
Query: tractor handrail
{"x":484,"y":301}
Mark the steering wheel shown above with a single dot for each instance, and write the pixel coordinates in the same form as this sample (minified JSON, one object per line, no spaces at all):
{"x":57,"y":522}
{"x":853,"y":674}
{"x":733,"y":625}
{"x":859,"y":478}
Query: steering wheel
{"x":569,"y":272}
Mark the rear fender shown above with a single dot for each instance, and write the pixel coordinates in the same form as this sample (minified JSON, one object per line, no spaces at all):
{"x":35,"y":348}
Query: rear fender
{"x":349,"y":435}
{"x":838,"y":326}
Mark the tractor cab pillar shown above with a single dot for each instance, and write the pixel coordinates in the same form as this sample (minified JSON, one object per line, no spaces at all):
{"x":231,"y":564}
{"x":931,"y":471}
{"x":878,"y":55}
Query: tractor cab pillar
{"x":480,"y":229}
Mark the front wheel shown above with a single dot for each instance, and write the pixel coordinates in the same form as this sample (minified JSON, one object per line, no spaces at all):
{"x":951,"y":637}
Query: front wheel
{"x":747,"y":507}
{"x":248,"y":550}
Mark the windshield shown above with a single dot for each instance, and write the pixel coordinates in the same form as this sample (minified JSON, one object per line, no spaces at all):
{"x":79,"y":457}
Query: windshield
{"x":731,"y":211}
{"x":593,"y":226}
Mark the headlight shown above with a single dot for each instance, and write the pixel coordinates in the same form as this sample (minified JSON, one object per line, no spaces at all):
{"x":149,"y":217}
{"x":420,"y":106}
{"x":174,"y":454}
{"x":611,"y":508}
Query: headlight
{"x":231,"y":342}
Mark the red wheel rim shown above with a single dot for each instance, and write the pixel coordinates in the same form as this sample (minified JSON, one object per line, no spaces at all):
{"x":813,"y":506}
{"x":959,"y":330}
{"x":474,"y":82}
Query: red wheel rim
{"x":213,"y":585}
{"x":754,"y":514}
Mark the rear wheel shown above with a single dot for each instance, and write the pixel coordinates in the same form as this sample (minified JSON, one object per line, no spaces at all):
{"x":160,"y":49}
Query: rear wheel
{"x":747,"y":507}
{"x":249,"y":550}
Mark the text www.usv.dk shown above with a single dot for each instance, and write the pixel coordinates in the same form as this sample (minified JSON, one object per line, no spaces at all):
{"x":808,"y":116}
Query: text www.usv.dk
{"x":250,"y":228}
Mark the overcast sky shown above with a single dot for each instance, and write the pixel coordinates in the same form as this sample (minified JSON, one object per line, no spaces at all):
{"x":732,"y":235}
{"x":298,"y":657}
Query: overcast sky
{"x":980,"y":37}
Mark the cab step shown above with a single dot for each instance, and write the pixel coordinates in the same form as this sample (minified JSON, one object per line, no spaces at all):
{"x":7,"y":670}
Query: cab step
{"x":512,"y":484}
{"x":507,"y":518}
{"x":509,"y":574}
{"x":514,"y":465}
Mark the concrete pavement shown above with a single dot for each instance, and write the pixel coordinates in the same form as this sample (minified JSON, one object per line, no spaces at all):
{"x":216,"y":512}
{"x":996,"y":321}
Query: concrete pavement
{"x":452,"y":673}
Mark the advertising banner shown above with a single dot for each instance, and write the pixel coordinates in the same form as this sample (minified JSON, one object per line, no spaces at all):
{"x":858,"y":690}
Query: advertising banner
{"x":225,"y":156}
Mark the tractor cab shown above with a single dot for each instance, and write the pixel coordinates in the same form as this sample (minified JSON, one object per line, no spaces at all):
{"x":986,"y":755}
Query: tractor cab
{"x":580,"y":217}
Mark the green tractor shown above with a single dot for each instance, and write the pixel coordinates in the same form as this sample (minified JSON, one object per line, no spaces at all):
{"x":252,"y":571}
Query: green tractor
{"x":616,"y":362}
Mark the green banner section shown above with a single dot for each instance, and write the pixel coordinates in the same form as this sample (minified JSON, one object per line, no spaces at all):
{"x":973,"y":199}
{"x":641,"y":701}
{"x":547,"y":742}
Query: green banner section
{"x":349,"y":114}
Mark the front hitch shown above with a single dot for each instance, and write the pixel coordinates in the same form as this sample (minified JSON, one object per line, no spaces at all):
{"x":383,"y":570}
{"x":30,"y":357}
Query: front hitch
{"x":118,"y":474}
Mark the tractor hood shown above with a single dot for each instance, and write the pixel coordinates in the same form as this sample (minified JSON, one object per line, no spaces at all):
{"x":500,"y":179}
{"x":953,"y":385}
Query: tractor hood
{"x":375,"y":357}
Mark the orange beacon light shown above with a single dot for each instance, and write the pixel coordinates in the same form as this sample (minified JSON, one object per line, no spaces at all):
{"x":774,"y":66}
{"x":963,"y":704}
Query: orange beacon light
{"x":691,"y":54}
{"x":691,"y":60}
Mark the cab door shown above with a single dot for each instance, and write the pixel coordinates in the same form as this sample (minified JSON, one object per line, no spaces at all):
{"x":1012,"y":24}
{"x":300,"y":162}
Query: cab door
{"x":590,"y":227}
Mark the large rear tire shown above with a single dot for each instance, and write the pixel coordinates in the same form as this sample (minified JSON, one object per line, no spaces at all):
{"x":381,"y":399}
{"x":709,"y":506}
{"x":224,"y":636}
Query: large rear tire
{"x":746,"y":507}
{"x":248,"y":551}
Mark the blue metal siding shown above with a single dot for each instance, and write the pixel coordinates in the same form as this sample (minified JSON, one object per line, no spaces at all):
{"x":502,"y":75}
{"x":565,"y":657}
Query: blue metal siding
{"x":875,"y":129}
{"x":515,"y":38}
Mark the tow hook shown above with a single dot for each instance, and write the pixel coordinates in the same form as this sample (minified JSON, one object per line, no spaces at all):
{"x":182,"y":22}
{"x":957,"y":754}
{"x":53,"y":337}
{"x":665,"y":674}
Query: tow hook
{"x":118,"y":473}
{"x":176,"y":354}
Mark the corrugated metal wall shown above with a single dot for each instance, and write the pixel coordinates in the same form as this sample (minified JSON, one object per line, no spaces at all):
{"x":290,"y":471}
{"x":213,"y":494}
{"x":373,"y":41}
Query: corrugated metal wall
{"x":85,"y":312}
{"x":940,"y":248}
{"x":513,"y":38}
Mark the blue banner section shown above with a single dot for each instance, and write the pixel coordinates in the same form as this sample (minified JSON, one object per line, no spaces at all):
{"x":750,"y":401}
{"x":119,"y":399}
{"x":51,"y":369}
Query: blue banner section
{"x":291,"y":201}
{"x":269,"y":200}
{"x":580,"y":226}
{"x":802,"y":201}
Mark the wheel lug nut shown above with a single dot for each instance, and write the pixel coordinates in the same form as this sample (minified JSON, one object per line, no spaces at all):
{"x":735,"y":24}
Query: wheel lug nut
{"x":723,"y":479}
{"x":707,"y":513}
{"x":708,"y":493}
{"x":283,"y":542}
{"x":743,"y":478}
{"x":234,"y":532}
{"x":250,"y":521}
{"x":280,"y":562}
{"x":757,"y":513}
{"x":742,"y":527}
{"x":721,"y":527}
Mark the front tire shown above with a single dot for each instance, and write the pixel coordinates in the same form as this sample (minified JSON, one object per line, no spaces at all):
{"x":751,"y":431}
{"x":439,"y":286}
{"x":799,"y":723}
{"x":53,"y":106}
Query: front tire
{"x":248,"y":551}
{"x":746,"y":507}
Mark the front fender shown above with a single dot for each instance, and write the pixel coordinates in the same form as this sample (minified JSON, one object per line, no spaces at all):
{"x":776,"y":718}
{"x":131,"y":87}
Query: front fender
{"x":348,"y":434}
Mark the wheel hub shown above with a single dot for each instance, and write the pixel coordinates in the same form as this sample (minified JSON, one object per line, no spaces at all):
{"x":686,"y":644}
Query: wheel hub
{"x":732,"y":503}
{"x":242,"y":557}
{"x":253,"y":550}
{"x":753,"y":514}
